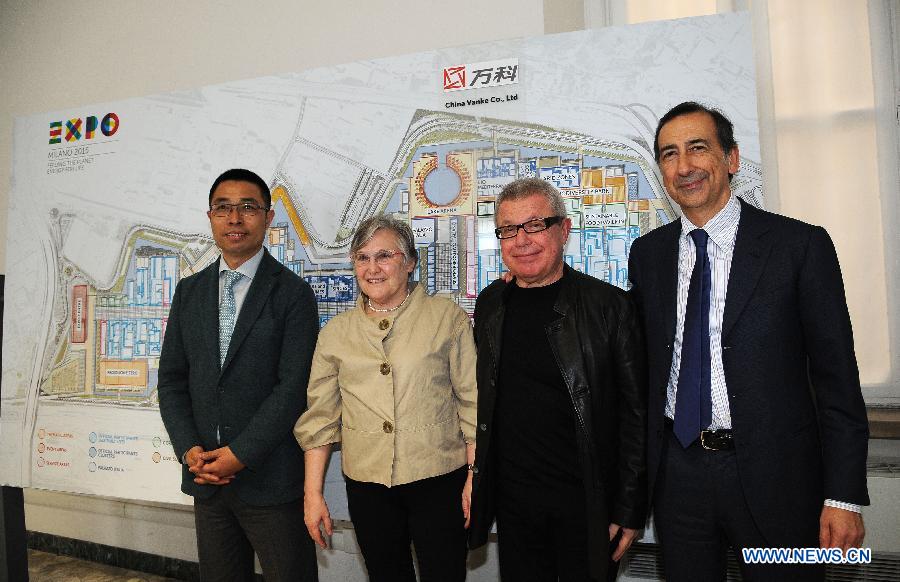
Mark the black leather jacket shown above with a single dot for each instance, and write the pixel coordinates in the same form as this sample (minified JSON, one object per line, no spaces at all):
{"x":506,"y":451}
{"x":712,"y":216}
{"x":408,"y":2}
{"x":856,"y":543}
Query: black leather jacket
{"x":599,"y":346}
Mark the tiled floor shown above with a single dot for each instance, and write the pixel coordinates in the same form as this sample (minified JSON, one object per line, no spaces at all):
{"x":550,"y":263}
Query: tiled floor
{"x":44,"y":567}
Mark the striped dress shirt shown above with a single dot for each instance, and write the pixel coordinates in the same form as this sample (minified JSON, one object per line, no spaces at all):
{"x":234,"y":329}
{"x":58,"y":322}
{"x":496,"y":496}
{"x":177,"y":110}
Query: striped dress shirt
{"x":722,"y":230}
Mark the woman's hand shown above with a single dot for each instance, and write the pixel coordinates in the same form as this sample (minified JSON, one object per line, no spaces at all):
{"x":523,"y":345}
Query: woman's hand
{"x":315,"y":512}
{"x":467,"y":498}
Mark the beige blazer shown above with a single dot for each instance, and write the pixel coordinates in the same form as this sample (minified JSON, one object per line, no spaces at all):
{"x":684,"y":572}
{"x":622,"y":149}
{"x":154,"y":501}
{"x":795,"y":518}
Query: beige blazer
{"x":397,"y":391}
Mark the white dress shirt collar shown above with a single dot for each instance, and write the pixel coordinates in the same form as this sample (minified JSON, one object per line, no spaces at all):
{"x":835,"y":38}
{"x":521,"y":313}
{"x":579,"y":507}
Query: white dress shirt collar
{"x":248,"y":268}
{"x":722,"y":228}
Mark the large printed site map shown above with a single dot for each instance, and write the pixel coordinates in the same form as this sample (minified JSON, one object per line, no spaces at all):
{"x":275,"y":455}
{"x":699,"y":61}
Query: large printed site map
{"x":108,"y":209}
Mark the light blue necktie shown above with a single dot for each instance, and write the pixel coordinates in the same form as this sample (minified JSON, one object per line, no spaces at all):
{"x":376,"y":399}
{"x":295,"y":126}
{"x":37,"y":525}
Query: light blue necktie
{"x":227,"y":313}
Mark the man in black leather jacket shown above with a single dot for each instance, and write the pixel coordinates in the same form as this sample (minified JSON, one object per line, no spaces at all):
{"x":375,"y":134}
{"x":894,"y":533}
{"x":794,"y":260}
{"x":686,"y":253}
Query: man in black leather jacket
{"x":560,"y":457}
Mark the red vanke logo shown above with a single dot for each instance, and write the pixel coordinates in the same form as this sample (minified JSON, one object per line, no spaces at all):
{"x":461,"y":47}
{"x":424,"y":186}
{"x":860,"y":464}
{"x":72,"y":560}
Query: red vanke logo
{"x":455,"y":78}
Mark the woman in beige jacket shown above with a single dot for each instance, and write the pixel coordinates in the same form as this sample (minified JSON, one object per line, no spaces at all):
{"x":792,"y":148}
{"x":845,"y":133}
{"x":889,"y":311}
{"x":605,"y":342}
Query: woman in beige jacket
{"x":393,"y":380}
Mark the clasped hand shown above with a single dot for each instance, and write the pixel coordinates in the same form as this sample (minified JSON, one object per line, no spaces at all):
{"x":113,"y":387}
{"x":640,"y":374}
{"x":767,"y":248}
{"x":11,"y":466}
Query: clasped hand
{"x":216,"y":467}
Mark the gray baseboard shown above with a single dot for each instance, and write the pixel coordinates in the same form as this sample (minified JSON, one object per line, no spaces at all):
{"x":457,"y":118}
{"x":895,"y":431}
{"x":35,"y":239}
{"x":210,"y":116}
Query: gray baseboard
{"x":112,"y":556}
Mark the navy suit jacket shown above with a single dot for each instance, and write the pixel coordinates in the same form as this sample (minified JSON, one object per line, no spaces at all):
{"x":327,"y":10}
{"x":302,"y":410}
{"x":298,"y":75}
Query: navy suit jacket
{"x":797,"y":412}
{"x":256,"y":396}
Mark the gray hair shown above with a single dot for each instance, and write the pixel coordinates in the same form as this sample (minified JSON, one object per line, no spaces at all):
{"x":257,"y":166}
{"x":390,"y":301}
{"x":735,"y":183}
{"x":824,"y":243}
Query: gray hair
{"x":406,"y":242}
{"x":524,"y":187}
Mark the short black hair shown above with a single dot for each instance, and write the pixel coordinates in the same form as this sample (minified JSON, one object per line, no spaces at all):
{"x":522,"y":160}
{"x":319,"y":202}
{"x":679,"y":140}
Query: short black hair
{"x":242,"y":175}
{"x":724,"y":127}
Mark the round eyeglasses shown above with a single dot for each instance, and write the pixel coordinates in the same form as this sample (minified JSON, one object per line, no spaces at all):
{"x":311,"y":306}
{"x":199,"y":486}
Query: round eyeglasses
{"x":381,"y":258}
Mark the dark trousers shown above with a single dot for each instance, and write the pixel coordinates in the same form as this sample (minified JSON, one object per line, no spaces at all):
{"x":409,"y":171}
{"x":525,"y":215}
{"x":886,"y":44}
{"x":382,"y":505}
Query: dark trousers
{"x":542,"y":536}
{"x":229,"y":530}
{"x":427,"y":513}
{"x":700,"y":511}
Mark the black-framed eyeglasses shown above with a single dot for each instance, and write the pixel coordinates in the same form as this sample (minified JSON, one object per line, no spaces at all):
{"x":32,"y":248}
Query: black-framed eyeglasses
{"x":223,"y":209}
{"x":531,"y":226}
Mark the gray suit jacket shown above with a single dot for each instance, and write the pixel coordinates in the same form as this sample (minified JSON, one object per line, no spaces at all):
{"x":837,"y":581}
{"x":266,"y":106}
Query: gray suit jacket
{"x":258,"y":393}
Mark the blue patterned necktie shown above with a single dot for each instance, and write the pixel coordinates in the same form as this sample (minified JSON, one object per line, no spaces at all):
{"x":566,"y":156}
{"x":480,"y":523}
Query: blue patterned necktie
{"x":693,"y":399}
{"x":227,"y":313}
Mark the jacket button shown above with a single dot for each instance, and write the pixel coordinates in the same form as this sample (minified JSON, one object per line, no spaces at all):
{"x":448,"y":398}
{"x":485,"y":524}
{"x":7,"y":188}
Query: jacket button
{"x":383,"y":324}
{"x":474,"y":470}
{"x":387,"y":427}
{"x":482,"y":426}
{"x":385,"y":369}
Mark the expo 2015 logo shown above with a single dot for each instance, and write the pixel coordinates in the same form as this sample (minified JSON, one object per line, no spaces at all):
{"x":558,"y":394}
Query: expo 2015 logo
{"x":78,"y":128}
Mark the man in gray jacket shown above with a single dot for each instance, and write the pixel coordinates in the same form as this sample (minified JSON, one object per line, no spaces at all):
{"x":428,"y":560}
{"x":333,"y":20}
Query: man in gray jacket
{"x":232,"y":382}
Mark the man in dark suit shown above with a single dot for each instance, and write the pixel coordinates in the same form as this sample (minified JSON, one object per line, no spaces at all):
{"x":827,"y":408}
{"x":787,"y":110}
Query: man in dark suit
{"x":232,"y":382}
{"x":757,"y":427}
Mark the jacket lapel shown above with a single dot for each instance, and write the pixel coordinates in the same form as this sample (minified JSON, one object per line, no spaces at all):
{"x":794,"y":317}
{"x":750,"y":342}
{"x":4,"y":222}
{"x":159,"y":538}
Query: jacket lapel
{"x":568,"y":350}
{"x":209,"y":309}
{"x":257,"y":295}
{"x":751,"y":251}
{"x":494,"y":328}
{"x":667,"y":277}
{"x":562,"y":331}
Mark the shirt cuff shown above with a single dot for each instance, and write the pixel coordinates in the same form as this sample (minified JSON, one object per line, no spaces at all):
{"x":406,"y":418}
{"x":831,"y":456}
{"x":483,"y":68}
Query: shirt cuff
{"x":843,"y":505}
